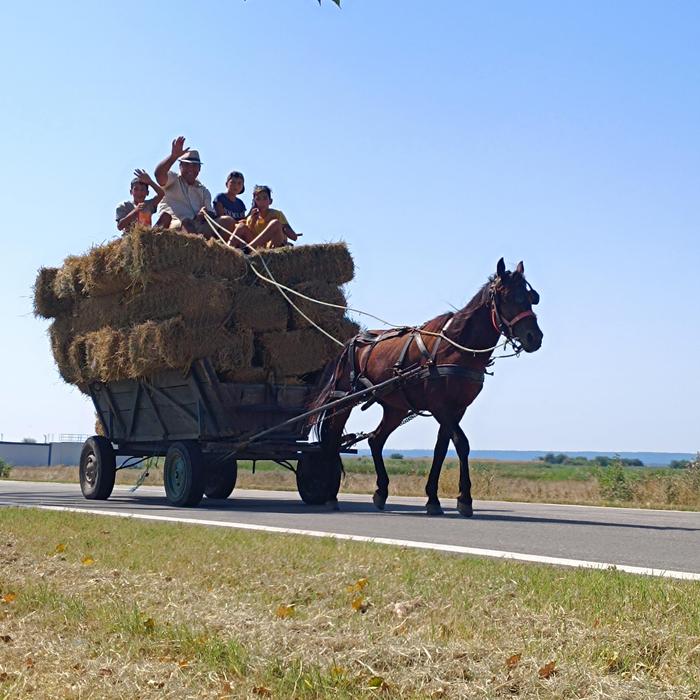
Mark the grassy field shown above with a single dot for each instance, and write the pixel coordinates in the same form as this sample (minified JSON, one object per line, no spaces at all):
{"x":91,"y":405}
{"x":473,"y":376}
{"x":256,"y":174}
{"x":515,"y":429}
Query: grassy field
{"x":515,"y":481}
{"x":94,"y":607}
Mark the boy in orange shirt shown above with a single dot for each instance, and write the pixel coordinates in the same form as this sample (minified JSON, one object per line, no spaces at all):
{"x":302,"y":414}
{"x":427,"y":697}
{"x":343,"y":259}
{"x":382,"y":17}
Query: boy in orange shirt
{"x":264,"y":227}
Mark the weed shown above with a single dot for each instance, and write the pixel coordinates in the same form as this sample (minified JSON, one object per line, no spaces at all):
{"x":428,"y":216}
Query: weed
{"x":5,"y":469}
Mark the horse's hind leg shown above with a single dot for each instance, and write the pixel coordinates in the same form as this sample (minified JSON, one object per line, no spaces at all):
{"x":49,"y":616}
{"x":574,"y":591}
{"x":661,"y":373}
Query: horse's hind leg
{"x":390,"y":421}
{"x":464,"y":500}
{"x":431,"y":487}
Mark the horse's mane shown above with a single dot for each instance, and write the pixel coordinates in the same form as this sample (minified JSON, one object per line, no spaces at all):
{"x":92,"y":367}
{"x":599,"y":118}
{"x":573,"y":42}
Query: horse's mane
{"x":462,"y":317}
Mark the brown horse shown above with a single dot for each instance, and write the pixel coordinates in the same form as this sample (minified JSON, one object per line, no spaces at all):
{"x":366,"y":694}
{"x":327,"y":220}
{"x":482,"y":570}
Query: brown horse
{"x":447,"y":358}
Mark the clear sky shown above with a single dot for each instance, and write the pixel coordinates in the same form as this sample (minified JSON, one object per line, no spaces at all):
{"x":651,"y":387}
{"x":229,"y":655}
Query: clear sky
{"x":433,"y":137}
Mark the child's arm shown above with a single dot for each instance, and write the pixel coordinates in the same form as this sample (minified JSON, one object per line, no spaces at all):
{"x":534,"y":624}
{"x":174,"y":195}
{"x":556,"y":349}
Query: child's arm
{"x":290,"y":233}
{"x":126,"y":221}
{"x":148,"y":180}
{"x":219,"y":208}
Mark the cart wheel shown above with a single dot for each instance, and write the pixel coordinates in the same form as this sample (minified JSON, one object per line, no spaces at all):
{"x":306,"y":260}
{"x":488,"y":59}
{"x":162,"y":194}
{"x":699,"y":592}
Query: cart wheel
{"x":220,"y":477}
{"x":318,"y":478}
{"x":183,"y":474}
{"x":98,"y":467}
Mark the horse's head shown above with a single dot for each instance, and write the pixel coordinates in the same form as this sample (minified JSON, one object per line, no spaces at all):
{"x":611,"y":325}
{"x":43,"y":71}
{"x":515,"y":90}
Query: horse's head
{"x":512,"y":298}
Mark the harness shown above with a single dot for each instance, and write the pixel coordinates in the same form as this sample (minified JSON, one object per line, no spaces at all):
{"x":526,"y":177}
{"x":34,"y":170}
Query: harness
{"x":430,"y":370}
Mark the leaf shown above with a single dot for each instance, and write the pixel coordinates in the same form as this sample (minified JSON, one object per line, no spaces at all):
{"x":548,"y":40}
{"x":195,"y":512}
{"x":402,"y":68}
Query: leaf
{"x":29,"y":662}
{"x":156,"y":684}
{"x":5,"y":638}
{"x":547,"y":670}
{"x":104,"y":672}
{"x":149,"y":624}
{"x":358,"y":585}
{"x":338,"y":672}
{"x":87,"y":560}
{"x":262,"y":691}
{"x":359,"y":604}
{"x":9,"y":598}
{"x":513,"y":661}
{"x":284,"y":611}
{"x":60,"y":548}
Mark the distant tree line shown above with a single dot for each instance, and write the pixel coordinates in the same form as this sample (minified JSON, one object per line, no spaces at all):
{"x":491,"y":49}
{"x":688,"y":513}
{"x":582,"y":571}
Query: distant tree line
{"x":561,"y":458}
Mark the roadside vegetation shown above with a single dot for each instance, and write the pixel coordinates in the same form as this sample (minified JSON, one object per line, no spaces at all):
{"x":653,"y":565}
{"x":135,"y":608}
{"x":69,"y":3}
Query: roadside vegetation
{"x":590,"y":483}
{"x":102,"y":607}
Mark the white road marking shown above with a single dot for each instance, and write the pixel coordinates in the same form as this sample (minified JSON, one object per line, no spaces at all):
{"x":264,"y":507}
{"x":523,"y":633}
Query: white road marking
{"x":412,"y":544}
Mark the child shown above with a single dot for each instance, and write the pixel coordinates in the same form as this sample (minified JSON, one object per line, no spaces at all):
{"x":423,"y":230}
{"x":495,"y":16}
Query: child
{"x":140,"y":210}
{"x":228,"y":204}
{"x":264,"y":227}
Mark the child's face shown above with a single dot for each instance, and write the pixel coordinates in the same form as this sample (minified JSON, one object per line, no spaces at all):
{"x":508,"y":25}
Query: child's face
{"x":234,"y":185}
{"x":262,"y":200}
{"x":139,"y":191}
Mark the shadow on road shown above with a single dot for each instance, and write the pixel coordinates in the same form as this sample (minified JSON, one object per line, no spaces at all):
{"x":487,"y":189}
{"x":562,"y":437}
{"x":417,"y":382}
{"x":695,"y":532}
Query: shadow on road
{"x":209,"y":509}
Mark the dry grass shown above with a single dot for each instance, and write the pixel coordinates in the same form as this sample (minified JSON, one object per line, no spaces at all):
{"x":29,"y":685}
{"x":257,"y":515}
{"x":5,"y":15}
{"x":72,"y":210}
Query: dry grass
{"x":103,"y":608}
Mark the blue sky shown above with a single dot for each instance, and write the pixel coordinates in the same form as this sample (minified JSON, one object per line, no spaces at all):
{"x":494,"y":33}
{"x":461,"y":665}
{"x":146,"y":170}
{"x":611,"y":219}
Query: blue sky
{"x":434,"y":138}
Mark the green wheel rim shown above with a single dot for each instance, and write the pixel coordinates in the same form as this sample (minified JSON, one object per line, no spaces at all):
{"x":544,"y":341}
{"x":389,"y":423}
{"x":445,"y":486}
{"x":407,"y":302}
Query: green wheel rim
{"x":177,"y":476}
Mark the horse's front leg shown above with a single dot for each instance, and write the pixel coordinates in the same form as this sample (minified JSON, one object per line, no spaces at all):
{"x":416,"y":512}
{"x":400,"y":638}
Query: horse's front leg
{"x":431,"y":487}
{"x":464,"y":500}
{"x":390,"y":421}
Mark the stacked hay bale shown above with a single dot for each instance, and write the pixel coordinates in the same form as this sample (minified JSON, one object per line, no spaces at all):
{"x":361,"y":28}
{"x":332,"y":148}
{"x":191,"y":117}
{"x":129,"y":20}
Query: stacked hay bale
{"x":156,"y":300}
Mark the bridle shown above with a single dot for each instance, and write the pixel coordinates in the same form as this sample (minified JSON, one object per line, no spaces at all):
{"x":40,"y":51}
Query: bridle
{"x":503,"y":325}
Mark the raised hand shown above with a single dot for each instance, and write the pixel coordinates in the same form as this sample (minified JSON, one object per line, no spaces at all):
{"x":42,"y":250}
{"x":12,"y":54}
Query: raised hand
{"x":178,"y":147}
{"x":143,"y":176}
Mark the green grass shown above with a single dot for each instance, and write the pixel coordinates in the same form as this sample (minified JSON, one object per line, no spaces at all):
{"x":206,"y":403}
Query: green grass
{"x":170,"y":610}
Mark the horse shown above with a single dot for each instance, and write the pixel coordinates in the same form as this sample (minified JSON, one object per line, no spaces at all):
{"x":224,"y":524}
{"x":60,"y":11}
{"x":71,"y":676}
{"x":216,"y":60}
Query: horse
{"x":441,"y":366}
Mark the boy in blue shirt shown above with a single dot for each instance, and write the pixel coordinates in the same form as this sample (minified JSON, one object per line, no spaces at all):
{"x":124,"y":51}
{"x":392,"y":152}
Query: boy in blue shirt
{"x":228,"y":204}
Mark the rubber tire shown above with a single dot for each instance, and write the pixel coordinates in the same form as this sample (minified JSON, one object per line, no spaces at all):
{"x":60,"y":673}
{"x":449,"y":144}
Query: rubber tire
{"x":184,"y":474}
{"x":318,"y":481}
{"x":220,"y":477}
{"x":98,"y":468}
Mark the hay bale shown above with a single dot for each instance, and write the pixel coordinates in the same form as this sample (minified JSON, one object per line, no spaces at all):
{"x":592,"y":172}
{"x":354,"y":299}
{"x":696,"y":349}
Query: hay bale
{"x":106,"y":355}
{"x":156,"y":250}
{"x":324,"y":316}
{"x":235,"y":353}
{"x":200,"y":301}
{"x":46,"y":302}
{"x":60,"y":337}
{"x":104,"y":269}
{"x":325,"y":262}
{"x":294,"y":353}
{"x":259,"y":309}
{"x":67,"y":284}
{"x":174,"y":344}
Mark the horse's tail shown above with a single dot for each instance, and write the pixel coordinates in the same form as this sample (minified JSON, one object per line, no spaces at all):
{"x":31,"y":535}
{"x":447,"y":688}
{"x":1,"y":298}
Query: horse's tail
{"x":324,"y":389}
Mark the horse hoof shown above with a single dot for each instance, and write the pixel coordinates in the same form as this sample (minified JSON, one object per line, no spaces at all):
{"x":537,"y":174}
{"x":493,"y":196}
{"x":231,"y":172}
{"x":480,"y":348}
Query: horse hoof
{"x":379,"y":500}
{"x":434,"y":509}
{"x":465,"y":509}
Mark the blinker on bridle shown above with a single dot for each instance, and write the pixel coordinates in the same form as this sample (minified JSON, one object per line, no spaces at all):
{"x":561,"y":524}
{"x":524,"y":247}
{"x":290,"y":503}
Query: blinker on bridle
{"x":505,"y":326}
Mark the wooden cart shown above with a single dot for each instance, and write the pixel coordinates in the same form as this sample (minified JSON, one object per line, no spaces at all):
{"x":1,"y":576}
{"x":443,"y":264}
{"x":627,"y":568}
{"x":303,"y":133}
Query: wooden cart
{"x":202,"y":426}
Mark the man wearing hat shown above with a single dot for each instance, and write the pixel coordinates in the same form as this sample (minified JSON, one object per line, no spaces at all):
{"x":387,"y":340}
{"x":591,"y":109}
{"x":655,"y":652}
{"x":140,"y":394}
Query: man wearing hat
{"x":186,"y":198}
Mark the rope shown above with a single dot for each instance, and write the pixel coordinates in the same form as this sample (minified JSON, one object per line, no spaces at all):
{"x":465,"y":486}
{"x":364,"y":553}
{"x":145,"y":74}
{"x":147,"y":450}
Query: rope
{"x":271,"y":280}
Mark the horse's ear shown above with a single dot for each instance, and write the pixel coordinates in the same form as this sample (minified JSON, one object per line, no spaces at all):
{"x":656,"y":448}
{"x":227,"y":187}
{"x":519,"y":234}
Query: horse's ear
{"x":520,"y":269}
{"x":501,"y":269}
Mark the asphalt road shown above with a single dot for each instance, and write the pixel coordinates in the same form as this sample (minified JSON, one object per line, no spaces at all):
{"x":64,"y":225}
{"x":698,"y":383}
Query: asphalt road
{"x":659,"y":540}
